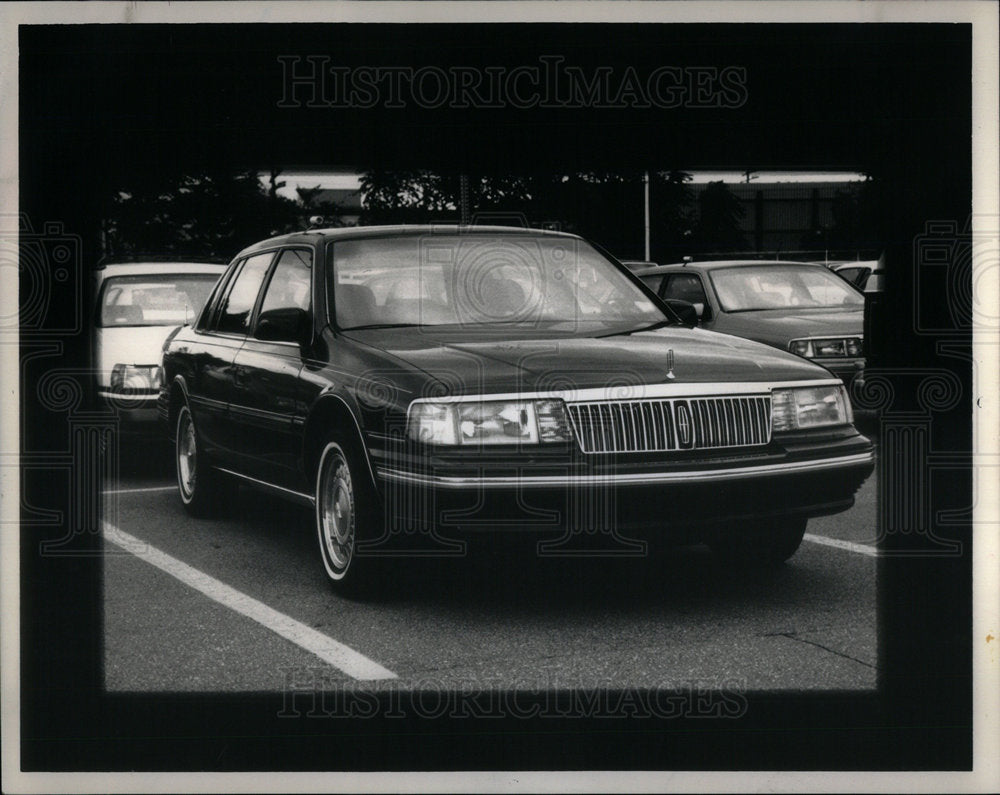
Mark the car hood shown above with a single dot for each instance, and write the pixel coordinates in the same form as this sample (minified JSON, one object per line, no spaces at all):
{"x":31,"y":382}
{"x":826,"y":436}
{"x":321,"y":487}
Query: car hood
{"x":491,"y":365}
{"x":779,"y":327}
{"x":127,"y":345}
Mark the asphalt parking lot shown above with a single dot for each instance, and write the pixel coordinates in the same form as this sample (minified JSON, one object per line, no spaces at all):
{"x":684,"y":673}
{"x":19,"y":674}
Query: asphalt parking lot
{"x":240,"y":603}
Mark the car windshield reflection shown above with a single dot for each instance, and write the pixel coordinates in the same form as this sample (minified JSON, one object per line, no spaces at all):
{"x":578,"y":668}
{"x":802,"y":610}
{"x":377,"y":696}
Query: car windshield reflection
{"x":154,"y":299}
{"x":483,"y":281}
{"x":753,"y":289}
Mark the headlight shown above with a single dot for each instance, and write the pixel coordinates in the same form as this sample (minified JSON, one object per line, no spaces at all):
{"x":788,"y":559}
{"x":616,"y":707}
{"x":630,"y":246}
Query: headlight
{"x":834,"y":347}
{"x":800,"y":348}
{"x":829,"y":347}
{"x":136,"y":378}
{"x":809,"y":407}
{"x":489,"y":422}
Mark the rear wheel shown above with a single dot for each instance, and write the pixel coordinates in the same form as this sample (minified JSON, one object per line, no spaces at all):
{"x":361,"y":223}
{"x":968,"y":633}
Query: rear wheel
{"x":202,"y":489}
{"x":347,"y":511}
{"x":770,"y":541}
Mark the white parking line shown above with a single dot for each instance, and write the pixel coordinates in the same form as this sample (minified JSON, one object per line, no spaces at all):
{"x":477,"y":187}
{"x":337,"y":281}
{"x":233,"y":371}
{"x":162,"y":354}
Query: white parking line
{"x":136,"y":491}
{"x":850,"y":546}
{"x":346,"y":659}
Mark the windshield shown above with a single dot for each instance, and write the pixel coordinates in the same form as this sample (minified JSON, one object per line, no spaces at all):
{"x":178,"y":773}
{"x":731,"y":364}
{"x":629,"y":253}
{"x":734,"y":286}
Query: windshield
{"x":482,"y":280}
{"x":752,"y":288}
{"x":161,"y":299}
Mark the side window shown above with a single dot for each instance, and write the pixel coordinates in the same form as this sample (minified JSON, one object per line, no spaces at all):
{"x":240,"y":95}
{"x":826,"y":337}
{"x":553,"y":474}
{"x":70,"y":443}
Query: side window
{"x":206,"y":322}
{"x":851,"y":274}
{"x":289,"y":287}
{"x":237,"y":305}
{"x":654,"y":283}
{"x":687,"y":287}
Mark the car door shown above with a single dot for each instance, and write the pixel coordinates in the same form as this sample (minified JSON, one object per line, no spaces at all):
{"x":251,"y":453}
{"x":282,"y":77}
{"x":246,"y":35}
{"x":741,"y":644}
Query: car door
{"x":266,"y":396}
{"x":210,"y":356}
{"x":225,"y":327}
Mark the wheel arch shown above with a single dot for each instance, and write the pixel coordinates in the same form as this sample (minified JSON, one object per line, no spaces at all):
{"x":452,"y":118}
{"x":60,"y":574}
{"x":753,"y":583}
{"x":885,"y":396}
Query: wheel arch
{"x":178,"y":396}
{"x":332,"y":411}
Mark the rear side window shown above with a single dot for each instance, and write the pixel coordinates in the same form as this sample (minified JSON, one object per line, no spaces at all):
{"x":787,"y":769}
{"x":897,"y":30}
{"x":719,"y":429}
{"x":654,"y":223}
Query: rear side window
{"x":289,"y":287}
{"x":237,"y":304}
{"x":653,"y":283}
{"x":685,"y":286}
{"x":853,"y":275}
{"x":211,"y":309}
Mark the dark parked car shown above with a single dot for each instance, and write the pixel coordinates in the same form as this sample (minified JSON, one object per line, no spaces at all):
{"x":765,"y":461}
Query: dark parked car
{"x":637,"y":264}
{"x":796,"y":306}
{"x":408,"y":380}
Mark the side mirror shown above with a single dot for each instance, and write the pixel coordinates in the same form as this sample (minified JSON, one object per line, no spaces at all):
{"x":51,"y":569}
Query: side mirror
{"x":685,"y":310}
{"x":283,"y":325}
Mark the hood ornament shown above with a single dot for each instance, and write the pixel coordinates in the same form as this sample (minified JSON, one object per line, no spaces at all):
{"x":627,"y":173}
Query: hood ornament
{"x":670,"y":364}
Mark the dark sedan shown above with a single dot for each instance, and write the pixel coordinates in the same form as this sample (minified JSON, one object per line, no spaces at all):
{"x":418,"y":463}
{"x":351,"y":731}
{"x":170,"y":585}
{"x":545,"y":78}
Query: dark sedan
{"x":796,"y":306}
{"x":434,"y":383}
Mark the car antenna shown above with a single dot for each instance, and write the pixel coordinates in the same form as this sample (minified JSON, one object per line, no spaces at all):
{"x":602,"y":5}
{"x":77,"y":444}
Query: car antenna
{"x":686,"y":260}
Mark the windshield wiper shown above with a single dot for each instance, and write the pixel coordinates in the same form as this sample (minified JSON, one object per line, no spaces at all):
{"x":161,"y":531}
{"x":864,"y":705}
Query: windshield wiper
{"x":651,"y":327}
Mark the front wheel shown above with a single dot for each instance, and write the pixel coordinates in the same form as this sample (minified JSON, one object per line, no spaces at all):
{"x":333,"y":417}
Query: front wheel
{"x":346,"y":507}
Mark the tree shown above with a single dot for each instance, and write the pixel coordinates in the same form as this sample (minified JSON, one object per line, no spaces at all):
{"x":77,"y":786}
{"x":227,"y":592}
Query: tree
{"x":414,"y":196}
{"x":856,"y":213}
{"x":603,"y":206}
{"x":672,"y":218}
{"x":307,"y":196}
{"x":719,"y":216}
{"x":205,"y":215}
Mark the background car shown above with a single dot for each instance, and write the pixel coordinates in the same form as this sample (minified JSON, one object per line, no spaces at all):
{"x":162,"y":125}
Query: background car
{"x":137,"y":305}
{"x":431,"y":383}
{"x":796,"y":306}
{"x":856,"y":273}
{"x":637,"y":264}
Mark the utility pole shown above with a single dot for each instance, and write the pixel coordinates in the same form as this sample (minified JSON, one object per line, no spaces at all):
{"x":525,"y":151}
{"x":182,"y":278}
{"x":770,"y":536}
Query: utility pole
{"x":645,"y":181}
{"x":463,"y":198}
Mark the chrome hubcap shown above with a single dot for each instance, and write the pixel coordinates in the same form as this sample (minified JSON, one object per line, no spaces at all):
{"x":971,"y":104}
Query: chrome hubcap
{"x":337,"y":512}
{"x":187,"y":456}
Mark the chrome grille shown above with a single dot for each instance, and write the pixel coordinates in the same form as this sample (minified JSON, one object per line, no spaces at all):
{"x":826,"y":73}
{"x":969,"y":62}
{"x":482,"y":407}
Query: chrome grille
{"x":650,"y":426}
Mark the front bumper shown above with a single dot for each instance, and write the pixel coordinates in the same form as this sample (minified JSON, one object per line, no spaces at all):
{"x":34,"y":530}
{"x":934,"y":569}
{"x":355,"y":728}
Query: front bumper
{"x":626,"y":493}
{"x":134,"y":411}
{"x":695,"y":476}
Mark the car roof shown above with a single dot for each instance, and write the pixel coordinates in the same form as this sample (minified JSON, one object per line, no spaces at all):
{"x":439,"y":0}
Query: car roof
{"x":152,"y":267}
{"x":657,"y":271}
{"x":356,"y":232}
{"x":737,"y":263}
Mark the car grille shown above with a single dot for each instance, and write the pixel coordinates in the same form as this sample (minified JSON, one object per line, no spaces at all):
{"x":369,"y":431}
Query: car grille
{"x":649,"y":426}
